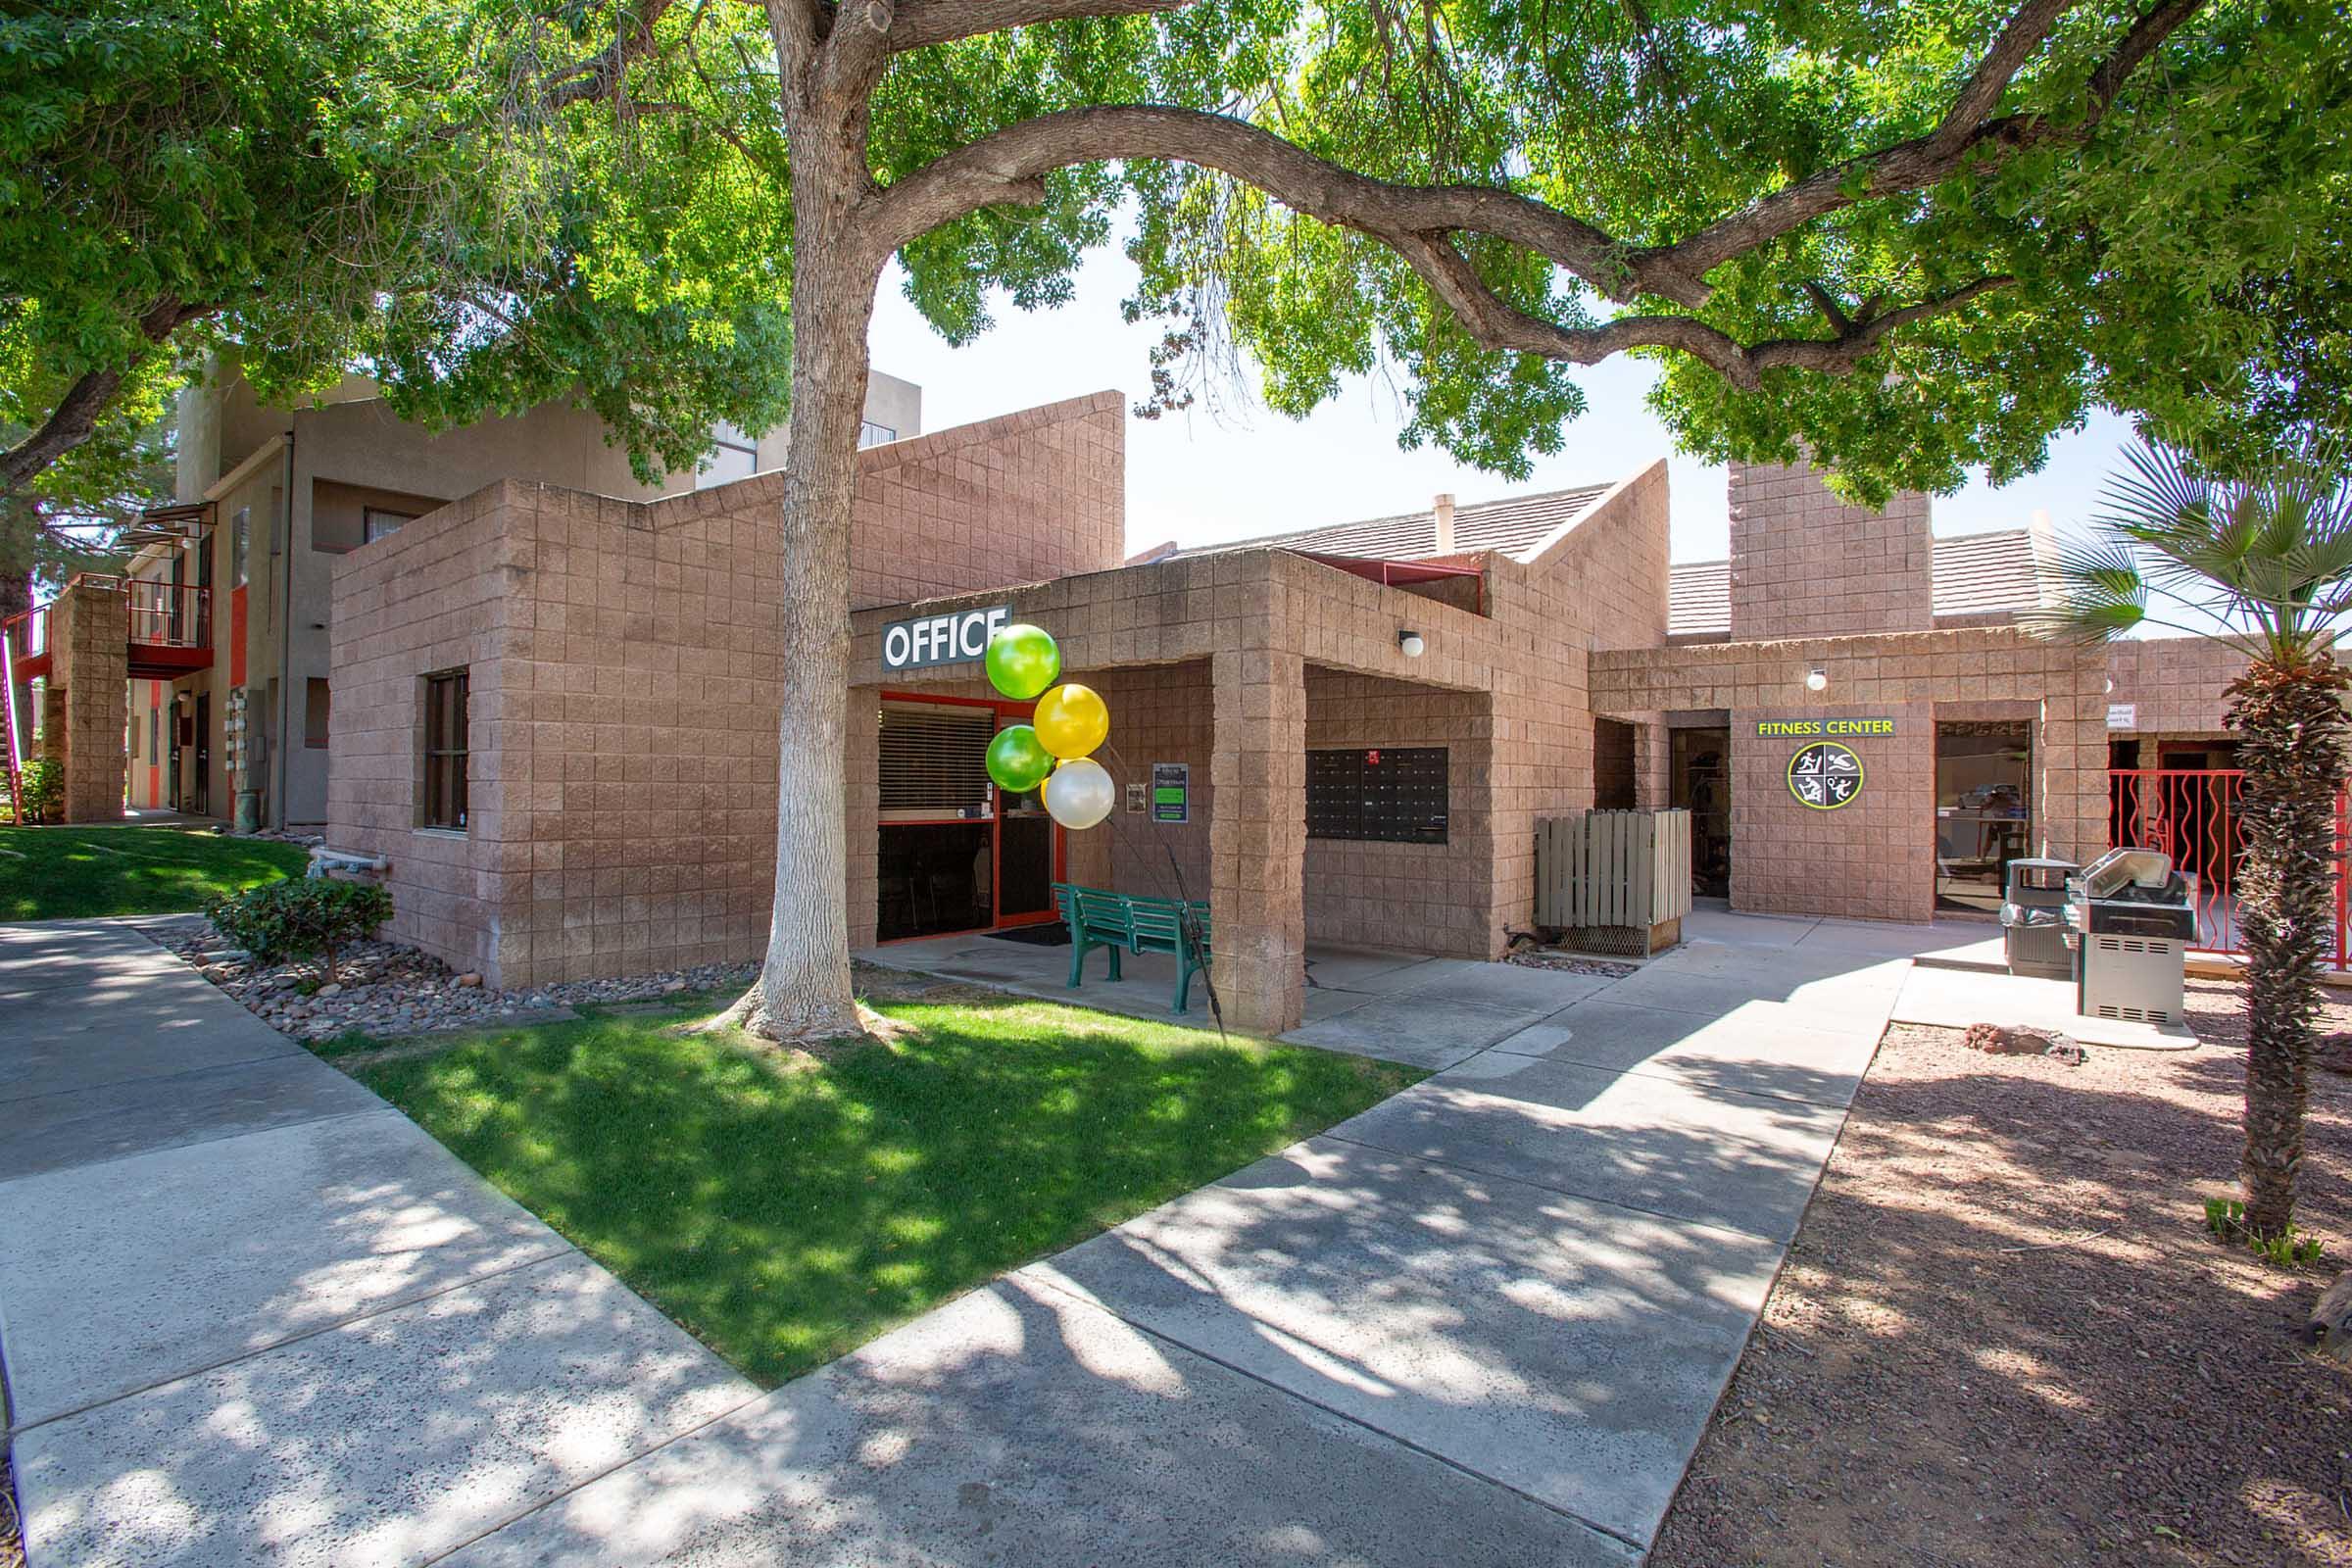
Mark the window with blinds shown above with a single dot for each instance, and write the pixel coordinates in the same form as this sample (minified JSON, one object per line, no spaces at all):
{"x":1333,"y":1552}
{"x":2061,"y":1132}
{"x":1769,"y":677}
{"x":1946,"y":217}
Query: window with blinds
{"x":935,"y":760}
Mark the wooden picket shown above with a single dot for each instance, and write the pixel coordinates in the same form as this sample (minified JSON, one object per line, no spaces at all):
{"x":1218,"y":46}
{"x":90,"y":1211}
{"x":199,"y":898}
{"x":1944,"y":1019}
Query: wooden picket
{"x":1619,"y":881}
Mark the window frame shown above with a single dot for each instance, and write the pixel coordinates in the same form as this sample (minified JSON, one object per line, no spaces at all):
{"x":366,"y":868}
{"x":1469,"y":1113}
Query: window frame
{"x":369,"y":516}
{"x":444,"y":695}
{"x":317,"y":740}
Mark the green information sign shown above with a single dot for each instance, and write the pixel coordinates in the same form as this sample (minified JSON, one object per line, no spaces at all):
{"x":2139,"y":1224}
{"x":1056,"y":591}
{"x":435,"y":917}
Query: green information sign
{"x":1171,"y":792}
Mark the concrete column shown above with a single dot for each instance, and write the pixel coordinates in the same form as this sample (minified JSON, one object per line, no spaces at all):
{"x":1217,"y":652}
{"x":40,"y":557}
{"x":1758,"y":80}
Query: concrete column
{"x":1257,"y":839}
{"x":89,"y":641}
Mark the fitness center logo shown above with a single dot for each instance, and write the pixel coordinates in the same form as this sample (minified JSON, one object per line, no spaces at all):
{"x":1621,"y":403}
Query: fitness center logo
{"x":1824,"y":776}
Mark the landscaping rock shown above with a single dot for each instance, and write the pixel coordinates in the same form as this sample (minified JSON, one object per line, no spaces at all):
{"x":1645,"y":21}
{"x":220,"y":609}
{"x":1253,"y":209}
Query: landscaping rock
{"x":387,"y":989}
{"x":2003,"y":1040}
{"x":2331,"y":1327}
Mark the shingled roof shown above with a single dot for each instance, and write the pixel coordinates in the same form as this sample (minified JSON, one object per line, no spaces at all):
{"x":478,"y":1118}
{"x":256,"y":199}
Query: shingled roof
{"x":1976,"y":574}
{"x":1512,"y":527}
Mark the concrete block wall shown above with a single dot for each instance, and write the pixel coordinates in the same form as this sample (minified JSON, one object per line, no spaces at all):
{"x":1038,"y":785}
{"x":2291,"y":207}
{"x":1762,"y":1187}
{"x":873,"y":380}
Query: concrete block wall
{"x":83,"y":719}
{"x":625,"y":690}
{"x":1422,"y":898}
{"x":2174,"y":684}
{"x":1257,"y":841}
{"x":430,"y":598}
{"x":1874,"y":859}
{"x":1806,"y":565}
{"x":1032,"y":495}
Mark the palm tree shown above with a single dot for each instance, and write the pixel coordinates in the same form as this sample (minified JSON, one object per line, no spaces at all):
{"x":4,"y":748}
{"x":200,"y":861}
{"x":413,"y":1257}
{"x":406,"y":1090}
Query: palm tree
{"x":2266,"y":561}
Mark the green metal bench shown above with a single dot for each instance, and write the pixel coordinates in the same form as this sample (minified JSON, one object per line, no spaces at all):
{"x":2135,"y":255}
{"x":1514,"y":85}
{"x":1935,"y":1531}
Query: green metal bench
{"x":1122,"y":922}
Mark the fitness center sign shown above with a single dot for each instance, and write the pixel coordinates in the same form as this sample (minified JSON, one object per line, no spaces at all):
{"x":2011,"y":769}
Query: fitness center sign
{"x":1826,"y":774}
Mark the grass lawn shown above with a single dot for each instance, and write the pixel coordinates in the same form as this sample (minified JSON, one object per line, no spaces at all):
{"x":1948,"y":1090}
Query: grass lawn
{"x":786,"y":1209}
{"x":51,"y":873}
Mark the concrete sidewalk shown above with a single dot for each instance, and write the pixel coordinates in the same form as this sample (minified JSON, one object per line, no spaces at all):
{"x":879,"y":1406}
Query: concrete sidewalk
{"x":1482,"y":1322}
{"x":251,"y":1314}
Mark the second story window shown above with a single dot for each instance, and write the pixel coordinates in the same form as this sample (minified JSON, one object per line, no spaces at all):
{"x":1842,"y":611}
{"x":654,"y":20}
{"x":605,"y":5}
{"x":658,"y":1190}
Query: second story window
{"x":870,"y":434}
{"x":444,"y":802}
{"x":736,"y":458}
{"x":240,"y":544}
{"x":378,"y":522}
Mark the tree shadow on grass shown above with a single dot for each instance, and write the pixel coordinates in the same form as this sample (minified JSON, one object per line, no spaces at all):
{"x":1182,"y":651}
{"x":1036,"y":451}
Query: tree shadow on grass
{"x":786,"y":1215}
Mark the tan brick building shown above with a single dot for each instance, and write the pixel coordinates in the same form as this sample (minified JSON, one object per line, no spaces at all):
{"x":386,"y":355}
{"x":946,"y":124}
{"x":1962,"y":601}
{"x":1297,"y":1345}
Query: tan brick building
{"x":557,"y":709}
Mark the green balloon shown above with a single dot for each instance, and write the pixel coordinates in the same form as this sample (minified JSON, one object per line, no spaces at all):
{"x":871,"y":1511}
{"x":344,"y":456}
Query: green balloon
{"x":1019,"y":760}
{"x":1022,"y":662}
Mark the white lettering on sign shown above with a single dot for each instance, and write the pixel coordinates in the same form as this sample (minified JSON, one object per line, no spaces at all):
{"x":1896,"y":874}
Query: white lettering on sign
{"x":951,"y":639}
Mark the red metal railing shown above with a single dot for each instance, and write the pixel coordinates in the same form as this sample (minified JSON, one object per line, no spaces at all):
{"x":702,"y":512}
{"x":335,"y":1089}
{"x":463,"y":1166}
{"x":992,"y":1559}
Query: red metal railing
{"x":2193,"y":816}
{"x":167,"y":614}
{"x":28,"y":633}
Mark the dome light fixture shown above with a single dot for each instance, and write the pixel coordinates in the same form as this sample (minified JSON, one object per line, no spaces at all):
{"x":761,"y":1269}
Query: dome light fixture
{"x":1817,"y":680}
{"x":1409,"y":643}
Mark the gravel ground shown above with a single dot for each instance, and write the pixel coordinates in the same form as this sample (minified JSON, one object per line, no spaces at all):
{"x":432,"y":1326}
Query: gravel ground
{"x":12,"y":1535}
{"x":2003,"y":1334}
{"x":387,"y":991}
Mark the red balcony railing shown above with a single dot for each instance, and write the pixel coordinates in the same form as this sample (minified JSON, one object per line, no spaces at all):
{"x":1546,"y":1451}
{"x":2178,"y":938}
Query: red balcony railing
{"x":166,"y":615}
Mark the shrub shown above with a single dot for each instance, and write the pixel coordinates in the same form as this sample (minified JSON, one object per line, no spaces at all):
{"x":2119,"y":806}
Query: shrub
{"x":2225,"y":1217}
{"x":43,"y":793}
{"x":300,"y":918}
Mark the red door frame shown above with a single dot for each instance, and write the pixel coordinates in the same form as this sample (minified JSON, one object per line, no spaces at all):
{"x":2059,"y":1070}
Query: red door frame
{"x":995,"y":823}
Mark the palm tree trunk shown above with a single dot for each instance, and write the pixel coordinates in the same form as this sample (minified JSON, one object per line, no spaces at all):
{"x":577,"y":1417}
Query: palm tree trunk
{"x":2292,"y":731}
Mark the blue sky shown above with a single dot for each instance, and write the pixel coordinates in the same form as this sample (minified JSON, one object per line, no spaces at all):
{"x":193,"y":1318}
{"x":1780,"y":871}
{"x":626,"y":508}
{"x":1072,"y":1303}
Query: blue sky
{"x":1246,"y":470}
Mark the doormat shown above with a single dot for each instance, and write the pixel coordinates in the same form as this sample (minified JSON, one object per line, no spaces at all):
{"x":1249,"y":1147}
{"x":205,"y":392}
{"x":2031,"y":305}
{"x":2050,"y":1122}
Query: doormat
{"x":1055,"y":935}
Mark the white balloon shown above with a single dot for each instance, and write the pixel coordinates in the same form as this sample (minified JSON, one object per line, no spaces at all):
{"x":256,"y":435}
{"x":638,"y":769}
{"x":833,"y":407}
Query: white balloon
{"x":1080,"y":793}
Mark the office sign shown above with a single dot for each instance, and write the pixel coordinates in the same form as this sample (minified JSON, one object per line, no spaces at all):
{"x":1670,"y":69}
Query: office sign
{"x":958,"y":637}
{"x":1171,"y":792}
{"x":2122,"y":715}
{"x":1824,"y":776}
{"x":1800,"y":728}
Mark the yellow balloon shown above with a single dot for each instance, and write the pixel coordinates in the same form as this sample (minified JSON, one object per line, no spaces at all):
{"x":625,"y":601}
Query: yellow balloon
{"x":1071,"y":720}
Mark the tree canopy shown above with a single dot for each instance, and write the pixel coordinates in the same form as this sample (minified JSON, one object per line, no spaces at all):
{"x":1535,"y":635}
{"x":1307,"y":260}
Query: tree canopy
{"x":446,"y":195}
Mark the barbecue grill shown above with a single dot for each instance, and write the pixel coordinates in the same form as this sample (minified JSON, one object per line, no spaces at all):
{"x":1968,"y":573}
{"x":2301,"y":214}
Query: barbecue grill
{"x":2130,"y":919}
{"x":2034,"y":919}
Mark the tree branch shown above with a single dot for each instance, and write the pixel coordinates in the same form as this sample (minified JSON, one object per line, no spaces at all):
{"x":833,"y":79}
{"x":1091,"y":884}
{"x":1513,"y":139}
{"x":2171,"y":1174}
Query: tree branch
{"x":75,"y":418}
{"x":1496,"y":323}
{"x":2018,"y":43}
{"x":1923,"y":160}
{"x":1009,"y":166}
{"x":600,"y":76}
{"x":922,"y":22}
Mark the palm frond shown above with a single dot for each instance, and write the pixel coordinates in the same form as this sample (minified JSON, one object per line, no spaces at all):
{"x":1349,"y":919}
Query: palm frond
{"x":2101,"y":594}
{"x":2269,"y":559}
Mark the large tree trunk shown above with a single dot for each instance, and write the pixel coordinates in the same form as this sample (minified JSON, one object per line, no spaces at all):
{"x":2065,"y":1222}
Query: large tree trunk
{"x":2289,"y":717}
{"x":803,"y":988}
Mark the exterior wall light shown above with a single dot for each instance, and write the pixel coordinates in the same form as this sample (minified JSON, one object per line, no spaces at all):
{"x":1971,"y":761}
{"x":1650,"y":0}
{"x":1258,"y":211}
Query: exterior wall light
{"x":1409,"y":643}
{"x":1817,"y":680}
